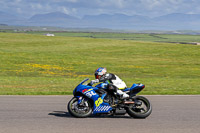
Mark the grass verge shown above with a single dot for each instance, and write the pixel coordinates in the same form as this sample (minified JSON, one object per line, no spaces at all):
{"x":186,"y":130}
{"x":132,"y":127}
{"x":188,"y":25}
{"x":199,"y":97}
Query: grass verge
{"x":41,"y":65}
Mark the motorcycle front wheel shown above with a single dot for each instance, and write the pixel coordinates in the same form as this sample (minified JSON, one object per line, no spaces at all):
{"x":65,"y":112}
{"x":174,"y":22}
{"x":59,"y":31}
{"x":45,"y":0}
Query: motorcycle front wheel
{"x":79,"y":110}
{"x":141,"y":108}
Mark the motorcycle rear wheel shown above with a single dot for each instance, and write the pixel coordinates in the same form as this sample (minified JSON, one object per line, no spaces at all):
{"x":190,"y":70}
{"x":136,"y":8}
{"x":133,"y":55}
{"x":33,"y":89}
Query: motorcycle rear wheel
{"x":141,"y":109}
{"x":76,"y":110}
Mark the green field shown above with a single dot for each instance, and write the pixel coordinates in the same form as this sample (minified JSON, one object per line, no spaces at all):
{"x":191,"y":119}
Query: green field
{"x":168,"y":38}
{"x":36,"y":64}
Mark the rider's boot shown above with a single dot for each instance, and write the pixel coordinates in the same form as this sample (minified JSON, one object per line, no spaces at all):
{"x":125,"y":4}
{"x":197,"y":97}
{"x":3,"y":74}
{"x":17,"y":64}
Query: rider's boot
{"x":122,"y":94}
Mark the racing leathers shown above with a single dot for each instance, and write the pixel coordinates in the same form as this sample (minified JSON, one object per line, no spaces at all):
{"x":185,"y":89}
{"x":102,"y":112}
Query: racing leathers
{"x":114,"y":83}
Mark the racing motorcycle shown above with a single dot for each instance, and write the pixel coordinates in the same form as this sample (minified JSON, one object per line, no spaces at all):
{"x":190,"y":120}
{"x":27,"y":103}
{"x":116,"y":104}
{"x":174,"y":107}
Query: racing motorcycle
{"x":90,"y":100}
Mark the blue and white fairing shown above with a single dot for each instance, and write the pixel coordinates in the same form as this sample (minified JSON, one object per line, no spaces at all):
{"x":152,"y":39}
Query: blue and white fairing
{"x":135,"y":88}
{"x":102,"y":85}
{"x":99,"y":105}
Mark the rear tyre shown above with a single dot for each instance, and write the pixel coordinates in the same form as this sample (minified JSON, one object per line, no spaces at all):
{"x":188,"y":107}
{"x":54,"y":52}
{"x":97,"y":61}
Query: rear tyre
{"x":141,"y":108}
{"x":77,"y":110}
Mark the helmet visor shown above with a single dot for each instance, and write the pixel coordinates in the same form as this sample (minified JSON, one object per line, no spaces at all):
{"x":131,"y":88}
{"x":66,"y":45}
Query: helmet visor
{"x":97,"y":76}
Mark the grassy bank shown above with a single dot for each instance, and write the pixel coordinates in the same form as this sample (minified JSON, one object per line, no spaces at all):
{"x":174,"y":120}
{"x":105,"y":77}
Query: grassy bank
{"x":167,"y":38}
{"x":36,"y":64}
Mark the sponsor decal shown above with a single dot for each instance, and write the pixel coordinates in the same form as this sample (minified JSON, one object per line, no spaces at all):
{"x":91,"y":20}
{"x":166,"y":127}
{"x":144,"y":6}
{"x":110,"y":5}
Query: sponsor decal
{"x":102,"y":108}
{"x":84,"y":90}
{"x":98,"y":102}
{"x":89,"y":93}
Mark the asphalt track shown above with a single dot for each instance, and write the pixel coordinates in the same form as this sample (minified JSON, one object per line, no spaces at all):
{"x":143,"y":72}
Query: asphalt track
{"x":48,"y":114}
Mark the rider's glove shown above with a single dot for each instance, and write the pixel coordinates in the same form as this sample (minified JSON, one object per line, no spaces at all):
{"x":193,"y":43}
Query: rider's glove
{"x":94,"y":81}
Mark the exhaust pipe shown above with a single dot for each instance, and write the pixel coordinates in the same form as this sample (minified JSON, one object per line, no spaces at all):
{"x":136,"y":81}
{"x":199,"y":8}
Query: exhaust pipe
{"x":129,"y":102}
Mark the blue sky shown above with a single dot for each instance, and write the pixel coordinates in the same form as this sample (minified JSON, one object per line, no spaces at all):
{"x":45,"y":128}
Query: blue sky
{"x":79,"y":8}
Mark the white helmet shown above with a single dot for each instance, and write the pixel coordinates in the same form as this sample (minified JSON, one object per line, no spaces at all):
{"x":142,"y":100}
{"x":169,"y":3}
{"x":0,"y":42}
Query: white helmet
{"x":100,"y":72}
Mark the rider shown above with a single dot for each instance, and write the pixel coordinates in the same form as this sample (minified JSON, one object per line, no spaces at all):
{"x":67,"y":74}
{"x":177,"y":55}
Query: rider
{"x":115,"y":83}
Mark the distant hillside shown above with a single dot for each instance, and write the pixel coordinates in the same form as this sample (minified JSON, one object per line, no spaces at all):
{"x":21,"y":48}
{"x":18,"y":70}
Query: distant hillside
{"x":115,"y":21}
{"x":175,"y":21}
{"x":52,"y":17}
{"x":178,"y":17}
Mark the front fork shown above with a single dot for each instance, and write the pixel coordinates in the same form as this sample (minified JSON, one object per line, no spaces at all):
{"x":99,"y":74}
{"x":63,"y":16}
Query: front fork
{"x":81,"y":105}
{"x":80,"y":100}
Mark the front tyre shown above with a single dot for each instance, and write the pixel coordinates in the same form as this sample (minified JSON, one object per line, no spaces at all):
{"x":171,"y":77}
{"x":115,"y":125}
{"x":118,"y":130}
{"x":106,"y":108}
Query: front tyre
{"x":141,"y":108}
{"x":79,"y":110}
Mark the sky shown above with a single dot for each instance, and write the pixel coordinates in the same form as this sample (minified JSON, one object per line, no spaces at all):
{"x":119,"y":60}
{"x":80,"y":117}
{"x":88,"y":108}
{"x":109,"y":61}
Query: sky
{"x":80,"y":8}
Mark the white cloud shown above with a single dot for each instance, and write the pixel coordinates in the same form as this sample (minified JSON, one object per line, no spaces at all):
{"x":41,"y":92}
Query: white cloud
{"x":111,"y":3}
{"x":36,"y":6}
{"x":19,"y":10}
{"x":120,"y":3}
{"x":87,"y":7}
{"x":18,"y":1}
{"x":74,"y":1}
{"x":65,"y":10}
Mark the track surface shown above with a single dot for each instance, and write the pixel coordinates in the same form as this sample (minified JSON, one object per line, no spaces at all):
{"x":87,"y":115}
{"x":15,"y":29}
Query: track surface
{"x":48,"y":114}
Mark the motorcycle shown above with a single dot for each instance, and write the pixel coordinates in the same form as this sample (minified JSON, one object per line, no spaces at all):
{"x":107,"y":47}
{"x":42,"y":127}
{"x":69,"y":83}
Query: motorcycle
{"x":90,"y":100}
